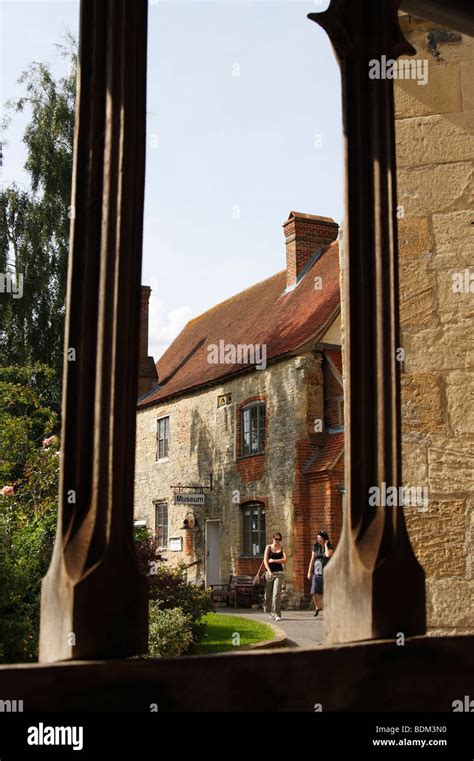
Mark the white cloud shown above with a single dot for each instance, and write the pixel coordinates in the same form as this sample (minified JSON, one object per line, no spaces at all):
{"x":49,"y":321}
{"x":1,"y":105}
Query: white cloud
{"x":164,"y":324}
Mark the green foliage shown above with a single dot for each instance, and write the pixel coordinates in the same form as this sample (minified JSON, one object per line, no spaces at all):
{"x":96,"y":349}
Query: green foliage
{"x":170,"y":631}
{"x":27,"y":530}
{"x":146,"y":549}
{"x":29,"y":412}
{"x":29,"y":465}
{"x":170,"y":589}
{"x":34,"y":222}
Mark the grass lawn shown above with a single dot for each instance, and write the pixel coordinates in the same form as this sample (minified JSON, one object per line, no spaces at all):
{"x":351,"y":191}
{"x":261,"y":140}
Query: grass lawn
{"x":222,"y":631}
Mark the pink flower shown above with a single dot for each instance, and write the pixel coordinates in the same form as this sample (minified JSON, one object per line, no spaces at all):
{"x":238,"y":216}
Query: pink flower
{"x":7,"y":491}
{"x":48,"y":442}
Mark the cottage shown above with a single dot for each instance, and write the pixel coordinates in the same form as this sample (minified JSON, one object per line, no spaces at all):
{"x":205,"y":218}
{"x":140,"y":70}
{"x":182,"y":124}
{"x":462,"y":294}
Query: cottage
{"x":228,"y":451}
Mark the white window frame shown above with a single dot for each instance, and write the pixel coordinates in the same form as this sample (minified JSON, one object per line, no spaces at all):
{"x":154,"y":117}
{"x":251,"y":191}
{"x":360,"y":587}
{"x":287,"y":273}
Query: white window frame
{"x":168,"y":439}
{"x":157,"y":504}
{"x":261,"y":427}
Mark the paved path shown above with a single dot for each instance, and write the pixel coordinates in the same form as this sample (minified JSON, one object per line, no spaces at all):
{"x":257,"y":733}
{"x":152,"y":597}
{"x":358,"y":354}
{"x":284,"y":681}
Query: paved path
{"x":301,"y":627}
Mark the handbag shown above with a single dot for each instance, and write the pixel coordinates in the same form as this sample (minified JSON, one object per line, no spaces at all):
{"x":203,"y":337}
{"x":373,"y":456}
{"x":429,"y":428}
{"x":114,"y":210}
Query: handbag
{"x":258,"y":575}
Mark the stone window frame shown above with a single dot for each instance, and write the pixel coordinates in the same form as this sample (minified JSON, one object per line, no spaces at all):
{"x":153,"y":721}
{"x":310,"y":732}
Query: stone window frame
{"x":167,"y":439}
{"x":262,"y":504}
{"x":258,"y":398}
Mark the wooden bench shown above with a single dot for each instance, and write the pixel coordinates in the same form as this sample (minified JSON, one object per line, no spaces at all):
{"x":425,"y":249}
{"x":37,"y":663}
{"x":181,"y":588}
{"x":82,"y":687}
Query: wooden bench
{"x":240,"y":591}
{"x":220,"y":593}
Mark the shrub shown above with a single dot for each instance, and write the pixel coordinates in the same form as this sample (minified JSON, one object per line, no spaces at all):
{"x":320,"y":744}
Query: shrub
{"x":146,"y":548}
{"x":170,"y":631}
{"x":170,"y":589}
{"x":28,"y":513}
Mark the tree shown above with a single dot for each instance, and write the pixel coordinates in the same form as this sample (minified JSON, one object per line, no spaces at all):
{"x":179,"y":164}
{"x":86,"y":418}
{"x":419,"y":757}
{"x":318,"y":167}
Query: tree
{"x":34,"y":223}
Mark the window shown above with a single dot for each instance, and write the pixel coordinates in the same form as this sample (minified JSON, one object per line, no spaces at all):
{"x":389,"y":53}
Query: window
{"x":163,"y":436}
{"x":161,"y":524}
{"x":254,"y":528}
{"x":252,"y":423}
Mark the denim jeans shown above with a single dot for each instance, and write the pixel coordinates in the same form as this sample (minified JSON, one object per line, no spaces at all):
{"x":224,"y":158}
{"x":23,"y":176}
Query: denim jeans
{"x":273,"y":593}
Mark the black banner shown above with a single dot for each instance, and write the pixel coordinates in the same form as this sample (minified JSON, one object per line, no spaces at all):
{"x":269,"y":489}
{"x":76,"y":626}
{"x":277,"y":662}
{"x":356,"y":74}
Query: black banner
{"x":103,"y":735}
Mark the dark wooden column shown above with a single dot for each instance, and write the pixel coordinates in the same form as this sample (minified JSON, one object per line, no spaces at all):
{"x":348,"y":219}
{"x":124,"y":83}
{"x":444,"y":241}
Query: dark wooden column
{"x":374,"y":586}
{"x":94,"y":600}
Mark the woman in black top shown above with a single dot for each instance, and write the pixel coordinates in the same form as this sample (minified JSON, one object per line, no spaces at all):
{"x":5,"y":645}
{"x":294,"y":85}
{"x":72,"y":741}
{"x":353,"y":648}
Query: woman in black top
{"x":274,"y":560}
{"x":322,"y":551}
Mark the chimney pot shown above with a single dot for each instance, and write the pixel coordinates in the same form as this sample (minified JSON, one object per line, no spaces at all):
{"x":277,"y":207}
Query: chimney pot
{"x":147,"y":375}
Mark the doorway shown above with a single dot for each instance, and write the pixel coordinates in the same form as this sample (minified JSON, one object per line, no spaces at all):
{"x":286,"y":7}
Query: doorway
{"x":213,"y":552}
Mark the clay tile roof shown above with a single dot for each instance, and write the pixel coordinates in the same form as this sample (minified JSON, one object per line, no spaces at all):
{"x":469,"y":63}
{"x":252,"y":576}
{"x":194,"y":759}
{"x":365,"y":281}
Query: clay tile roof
{"x":329,"y":454}
{"x":263,"y":314}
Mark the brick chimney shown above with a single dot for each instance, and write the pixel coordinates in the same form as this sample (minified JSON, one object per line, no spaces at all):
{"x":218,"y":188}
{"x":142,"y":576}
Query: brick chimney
{"x":147,"y":375}
{"x":305,"y":234}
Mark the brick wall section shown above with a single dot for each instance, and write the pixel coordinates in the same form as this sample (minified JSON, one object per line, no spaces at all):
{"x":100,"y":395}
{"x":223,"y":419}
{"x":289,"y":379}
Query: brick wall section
{"x":304,"y":236}
{"x":320,"y":506}
{"x":188,"y":543}
{"x":325,"y":511}
{"x":251,"y":468}
{"x":305,"y":448}
{"x":435,"y":151}
{"x":247,"y":566}
{"x":302,"y":525}
{"x":335,"y":518}
{"x":317,"y":501}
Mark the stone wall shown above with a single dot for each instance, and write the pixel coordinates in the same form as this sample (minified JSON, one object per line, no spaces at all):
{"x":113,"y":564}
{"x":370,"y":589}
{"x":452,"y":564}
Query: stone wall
{"x":435,"y":148}
{"x":203,"y":440}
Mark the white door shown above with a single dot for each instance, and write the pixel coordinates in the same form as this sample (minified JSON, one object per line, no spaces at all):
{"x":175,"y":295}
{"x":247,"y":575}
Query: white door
{"x":213,"y":552}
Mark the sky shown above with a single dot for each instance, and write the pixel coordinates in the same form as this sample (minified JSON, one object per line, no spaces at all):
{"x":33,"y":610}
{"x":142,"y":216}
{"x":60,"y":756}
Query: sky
{"x":243,"y":126}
